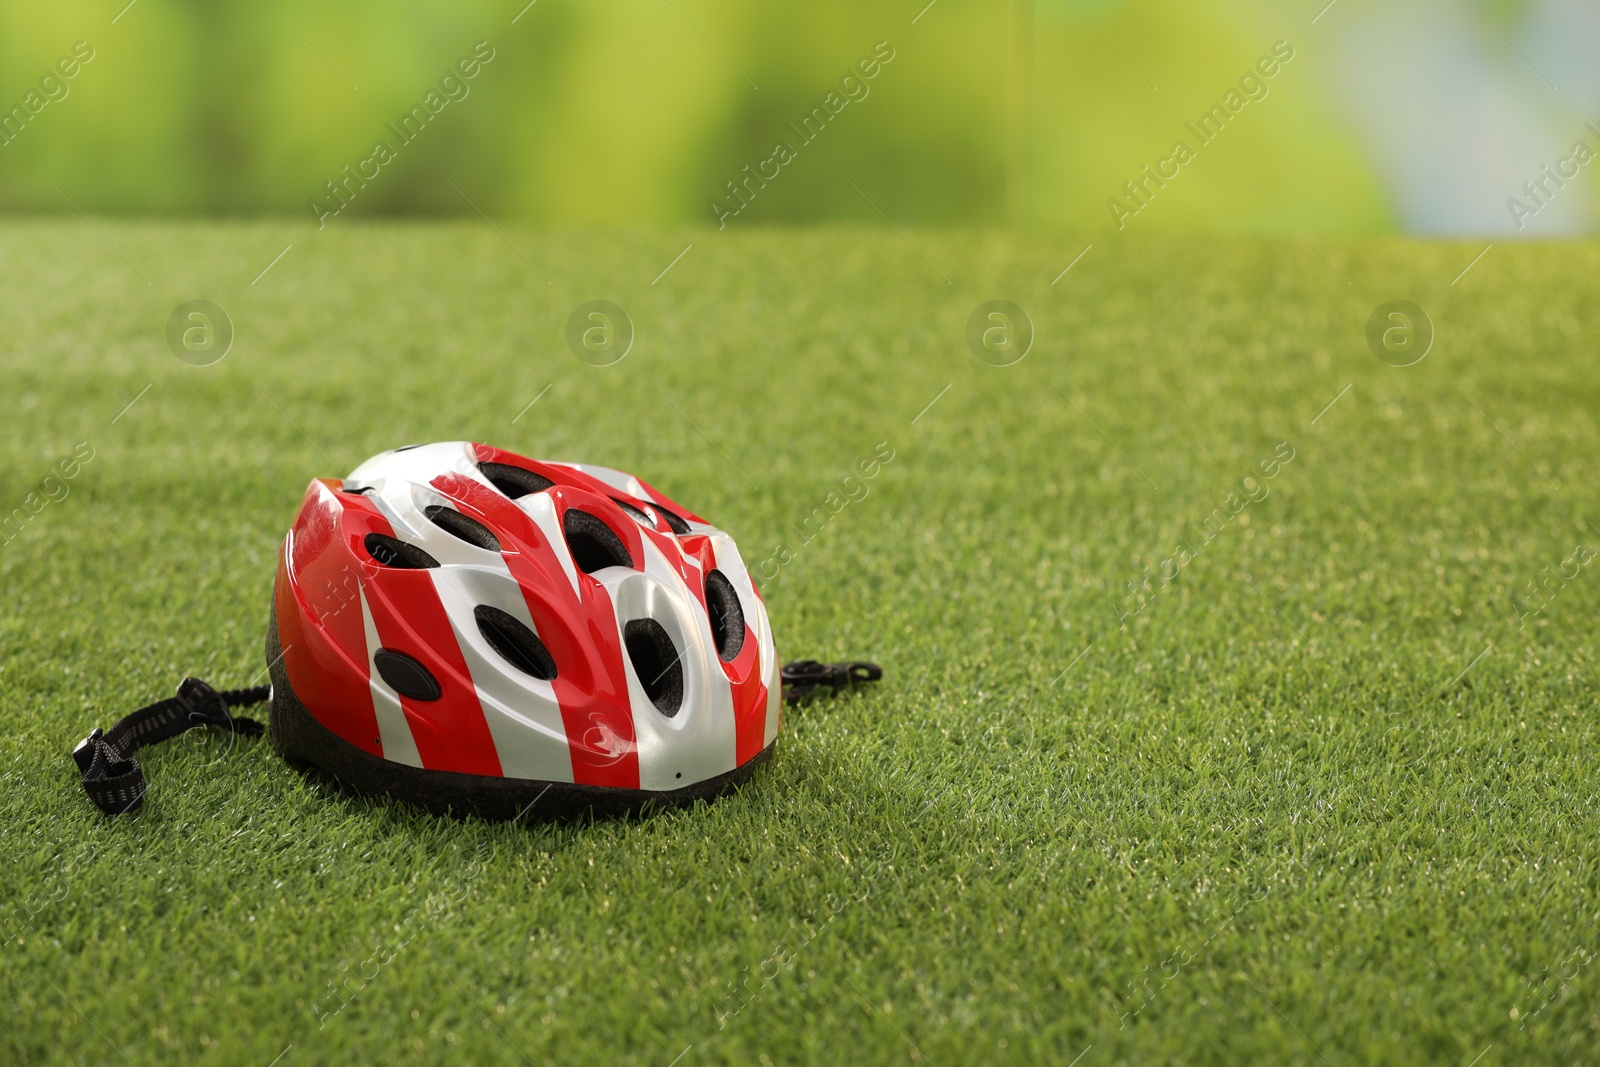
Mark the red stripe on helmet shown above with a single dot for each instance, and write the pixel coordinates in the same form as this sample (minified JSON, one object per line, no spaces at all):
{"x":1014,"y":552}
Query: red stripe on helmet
{"x":749,"y":699}
{"x":578,"y":628}
{"x":749,"y":688}
{"x":451,"y":733}
{"x":588,"y":728}
{"x":318,"y":604}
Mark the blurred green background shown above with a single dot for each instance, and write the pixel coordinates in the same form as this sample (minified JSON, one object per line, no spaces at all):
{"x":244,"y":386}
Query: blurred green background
{"x":1424,"y":116}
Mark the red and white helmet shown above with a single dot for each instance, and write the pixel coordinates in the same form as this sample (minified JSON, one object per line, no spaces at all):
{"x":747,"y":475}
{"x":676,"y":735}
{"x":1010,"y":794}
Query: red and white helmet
{"x":476,"y":631}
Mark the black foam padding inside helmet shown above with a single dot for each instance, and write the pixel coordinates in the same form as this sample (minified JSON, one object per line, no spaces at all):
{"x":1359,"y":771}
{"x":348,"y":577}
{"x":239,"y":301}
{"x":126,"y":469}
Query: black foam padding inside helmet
{"x":593,"y":544}
{"x":677,"y":522}
{"x":634,"y":513}
{"x":514,"y":482}
{"x":727,"y":616}
{"x":518,"y":645}
{"x":467,"y":529}
{"x":657,"y":663}
{"x":393,"y":552}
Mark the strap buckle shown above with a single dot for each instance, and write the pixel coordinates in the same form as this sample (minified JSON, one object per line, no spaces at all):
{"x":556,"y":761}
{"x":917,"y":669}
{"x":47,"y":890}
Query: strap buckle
{"x":113,"y":778}
{"x":801,"y":677}
{"x":83,"y":754}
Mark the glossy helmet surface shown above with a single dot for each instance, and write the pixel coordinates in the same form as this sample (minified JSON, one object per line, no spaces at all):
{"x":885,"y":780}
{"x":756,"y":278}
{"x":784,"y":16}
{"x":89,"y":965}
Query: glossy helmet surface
{"x":475,"y":631}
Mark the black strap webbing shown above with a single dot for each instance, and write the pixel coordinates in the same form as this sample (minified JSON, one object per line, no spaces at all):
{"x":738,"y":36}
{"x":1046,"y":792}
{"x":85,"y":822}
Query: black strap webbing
{"x":111,"y":775}
{"x":804,"y":675}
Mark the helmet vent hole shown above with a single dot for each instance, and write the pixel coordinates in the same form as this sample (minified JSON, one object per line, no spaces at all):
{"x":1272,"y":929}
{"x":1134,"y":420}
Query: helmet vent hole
{"x":727,"y":616}
{"x":657,"y":664}
{"x":679,"y":526}
{"x":517,"y":644}
{"x":514,"y":482}
{"x":471,"y":531}
{"x":593,"y":544}
{"x":392,"y":552}
{"x":405,"y":675}
{"x":635,"y":513}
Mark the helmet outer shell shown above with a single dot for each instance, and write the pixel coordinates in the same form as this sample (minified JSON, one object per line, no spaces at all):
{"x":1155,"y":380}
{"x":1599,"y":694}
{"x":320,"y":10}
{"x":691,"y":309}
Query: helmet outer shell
{"x":660,"y":686}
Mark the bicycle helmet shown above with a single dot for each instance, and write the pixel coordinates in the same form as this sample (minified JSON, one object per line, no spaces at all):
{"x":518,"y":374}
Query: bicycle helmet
{"x":477,"y":632}
{"x":467,"y":628}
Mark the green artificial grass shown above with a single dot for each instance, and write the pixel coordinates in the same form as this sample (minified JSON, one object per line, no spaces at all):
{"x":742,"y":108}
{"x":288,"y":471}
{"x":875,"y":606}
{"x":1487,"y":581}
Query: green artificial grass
{"x":1322,"y":798}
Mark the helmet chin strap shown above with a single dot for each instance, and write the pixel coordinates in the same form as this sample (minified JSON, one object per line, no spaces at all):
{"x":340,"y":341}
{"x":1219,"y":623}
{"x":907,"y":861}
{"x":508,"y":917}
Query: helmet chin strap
{"x":802,"y":676}
{"x":114,"y":779}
